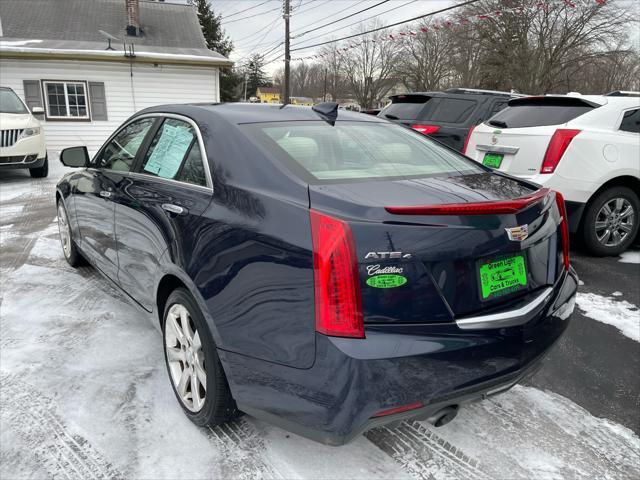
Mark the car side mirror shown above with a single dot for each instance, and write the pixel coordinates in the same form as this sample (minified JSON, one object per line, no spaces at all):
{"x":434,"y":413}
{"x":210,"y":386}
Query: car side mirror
{"x":75,"y":157}
{"x":37,"y":111}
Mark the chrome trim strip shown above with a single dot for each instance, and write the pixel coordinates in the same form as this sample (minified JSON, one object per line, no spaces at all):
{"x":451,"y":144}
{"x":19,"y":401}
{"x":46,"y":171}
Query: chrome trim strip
{"x":497,"y":149}
{"x":509,"y":318}
{"x":205,"y":159}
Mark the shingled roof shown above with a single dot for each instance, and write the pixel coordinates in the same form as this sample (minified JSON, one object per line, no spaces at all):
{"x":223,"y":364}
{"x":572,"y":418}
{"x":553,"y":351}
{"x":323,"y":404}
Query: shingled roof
{"x":170,"y":30}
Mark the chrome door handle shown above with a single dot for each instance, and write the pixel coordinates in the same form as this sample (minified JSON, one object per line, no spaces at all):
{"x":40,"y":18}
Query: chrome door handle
{"x":169,"y":207}
{"x":105,"y":194}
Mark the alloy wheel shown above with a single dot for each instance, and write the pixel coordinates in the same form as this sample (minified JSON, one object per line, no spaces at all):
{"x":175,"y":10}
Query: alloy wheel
{"x":63,"y":229}
{"x":614,"y":222}
{"x":185,"y":357}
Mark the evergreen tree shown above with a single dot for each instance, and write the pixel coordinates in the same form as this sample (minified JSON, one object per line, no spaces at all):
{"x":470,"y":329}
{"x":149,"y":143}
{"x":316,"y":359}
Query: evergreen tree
{"x":256,"y":76}
{"x":218,"y":41}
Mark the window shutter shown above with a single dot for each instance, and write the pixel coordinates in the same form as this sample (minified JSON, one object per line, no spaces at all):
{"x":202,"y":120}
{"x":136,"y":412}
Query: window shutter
{"x":32,"y":94}
{"x":98,"y":101}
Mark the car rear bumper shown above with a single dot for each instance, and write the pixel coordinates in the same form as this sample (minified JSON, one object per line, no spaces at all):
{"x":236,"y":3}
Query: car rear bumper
{"x":437,"y":366}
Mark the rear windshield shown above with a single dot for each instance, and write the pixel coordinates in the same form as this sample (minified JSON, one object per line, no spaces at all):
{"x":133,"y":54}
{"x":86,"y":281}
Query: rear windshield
{"x":350,"y":151}
{"x":405,"y":107}
{"x":450,"y":110}
{"x":538,"y":113}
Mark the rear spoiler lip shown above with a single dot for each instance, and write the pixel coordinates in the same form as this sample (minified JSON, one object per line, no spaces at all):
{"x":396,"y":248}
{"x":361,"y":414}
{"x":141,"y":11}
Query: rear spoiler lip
{"x":550,"y":99}
{"x":473,"y":208}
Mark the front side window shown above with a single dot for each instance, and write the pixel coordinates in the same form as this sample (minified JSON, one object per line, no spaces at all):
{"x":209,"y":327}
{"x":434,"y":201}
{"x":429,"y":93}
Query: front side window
{"x":66,"y":100}
{"x":321,"y":153}
{"x":10,"y":103}
{"x":120,"y":153}
{"x":631,"y":121}
{"x":174,"y":154}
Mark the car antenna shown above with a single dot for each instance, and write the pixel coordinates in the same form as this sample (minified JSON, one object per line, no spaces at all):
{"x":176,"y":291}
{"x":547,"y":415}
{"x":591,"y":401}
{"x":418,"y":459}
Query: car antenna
{"x":328,"y":111}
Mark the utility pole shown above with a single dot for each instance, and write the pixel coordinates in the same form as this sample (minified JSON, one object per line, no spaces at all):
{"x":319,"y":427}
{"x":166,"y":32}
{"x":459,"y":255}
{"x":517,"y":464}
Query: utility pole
{"x":287,"y":54}
{"x":324,"y":96}
{"x":245,"y":86}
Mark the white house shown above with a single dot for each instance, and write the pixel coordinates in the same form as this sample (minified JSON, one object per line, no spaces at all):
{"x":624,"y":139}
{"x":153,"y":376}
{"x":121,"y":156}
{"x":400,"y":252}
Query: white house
{"x":90,"y":64}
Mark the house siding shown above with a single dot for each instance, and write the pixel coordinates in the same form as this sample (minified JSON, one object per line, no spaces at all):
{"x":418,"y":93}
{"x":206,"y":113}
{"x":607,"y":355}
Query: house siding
{"x":125,"y":95}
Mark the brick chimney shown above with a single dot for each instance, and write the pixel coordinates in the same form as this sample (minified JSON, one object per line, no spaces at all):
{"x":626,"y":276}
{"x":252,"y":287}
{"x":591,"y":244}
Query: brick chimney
{"x":133,"y":17}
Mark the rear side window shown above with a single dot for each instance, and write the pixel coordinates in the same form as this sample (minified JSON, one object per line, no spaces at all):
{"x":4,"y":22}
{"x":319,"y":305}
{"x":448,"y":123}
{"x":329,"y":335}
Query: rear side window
{"x":405,"y":107}
{"x":539,"y":112}
{"x":174,"y":153}
{"x":498,"y":106}
{"x":450,"y":110}
{"x":631,"y":121}
{"x":349,"y":151}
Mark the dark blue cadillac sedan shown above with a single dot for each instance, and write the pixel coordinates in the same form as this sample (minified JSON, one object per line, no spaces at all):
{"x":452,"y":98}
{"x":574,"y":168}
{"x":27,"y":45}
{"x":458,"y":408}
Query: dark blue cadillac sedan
{"x":323,"y":270}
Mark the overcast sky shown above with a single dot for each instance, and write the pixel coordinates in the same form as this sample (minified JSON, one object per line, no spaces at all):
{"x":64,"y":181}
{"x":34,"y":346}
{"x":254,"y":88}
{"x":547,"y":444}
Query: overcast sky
{"x":263,"y":30}
{"x":257,"y":25}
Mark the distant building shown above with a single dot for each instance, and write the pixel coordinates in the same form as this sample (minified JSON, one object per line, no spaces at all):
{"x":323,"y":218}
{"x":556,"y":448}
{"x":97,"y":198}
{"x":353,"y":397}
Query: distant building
{"x":306,"y":101}
{"x":268,"y":94}
{"x":67,"y":57}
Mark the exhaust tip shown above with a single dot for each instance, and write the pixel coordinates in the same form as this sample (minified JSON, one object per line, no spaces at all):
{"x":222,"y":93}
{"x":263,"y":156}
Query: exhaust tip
{"x":444,"y":416}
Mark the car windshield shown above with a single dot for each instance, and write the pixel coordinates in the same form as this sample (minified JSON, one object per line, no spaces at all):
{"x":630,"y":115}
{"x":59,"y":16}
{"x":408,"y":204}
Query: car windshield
{"x":10,"y":103}
{"x":321,"y":153}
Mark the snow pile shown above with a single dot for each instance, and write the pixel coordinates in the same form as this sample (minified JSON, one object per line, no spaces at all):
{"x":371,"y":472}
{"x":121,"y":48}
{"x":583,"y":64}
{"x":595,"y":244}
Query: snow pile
{"x":631,"y":256}
{"x":619,"y":313}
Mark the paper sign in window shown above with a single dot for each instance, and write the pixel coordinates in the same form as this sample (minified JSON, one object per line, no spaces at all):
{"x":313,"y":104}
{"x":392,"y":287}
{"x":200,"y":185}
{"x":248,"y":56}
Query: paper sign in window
{"x":168,"y":153}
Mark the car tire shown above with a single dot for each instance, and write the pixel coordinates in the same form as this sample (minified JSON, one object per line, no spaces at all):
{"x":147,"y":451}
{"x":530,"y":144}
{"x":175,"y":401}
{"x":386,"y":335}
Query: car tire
{"x":610,"y":221}
{"x":189,"y":347}
{"x":69,"y":249}
{"x":40,"y":172}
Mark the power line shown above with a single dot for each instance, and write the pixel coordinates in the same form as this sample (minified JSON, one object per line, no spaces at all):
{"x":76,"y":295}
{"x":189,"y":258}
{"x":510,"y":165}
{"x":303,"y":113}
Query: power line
{"x":312,"y":8}
{"x":247,"y":9}
{"x":469,"y":2}
{"x":331,"y":15}
{"x":256,"y":33}
{"x":343,"y":18}
{"x":359,"y":21}
{"x":272,"y":26}
{"x":250,"y":16}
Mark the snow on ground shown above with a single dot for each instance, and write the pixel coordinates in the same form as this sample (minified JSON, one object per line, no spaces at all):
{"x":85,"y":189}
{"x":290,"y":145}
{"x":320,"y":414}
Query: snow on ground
{"x":630,"y":256}
{"x":84,"y":394}
{"x":619,"y":313}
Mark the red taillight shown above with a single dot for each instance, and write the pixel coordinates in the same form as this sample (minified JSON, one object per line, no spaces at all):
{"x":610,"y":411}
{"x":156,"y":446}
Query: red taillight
{"x":564,"y":228}
{"x":557,"y":146}
{"x":479,"y":208}
{"x":425,"y":129}
{"x":404,"y":408}
{"x":337,"y":291}
{"x":466,"y":140}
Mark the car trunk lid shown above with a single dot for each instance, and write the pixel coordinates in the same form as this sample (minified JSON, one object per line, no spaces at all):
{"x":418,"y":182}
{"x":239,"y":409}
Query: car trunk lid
{"x":429,"y":268}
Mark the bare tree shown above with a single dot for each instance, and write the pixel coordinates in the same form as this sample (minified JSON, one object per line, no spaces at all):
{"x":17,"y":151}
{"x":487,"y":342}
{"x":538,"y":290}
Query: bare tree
{"x":532,"y":49}
{"x":333,"y":63}
{"x":370,"y":67}
{"x":426,"y":62}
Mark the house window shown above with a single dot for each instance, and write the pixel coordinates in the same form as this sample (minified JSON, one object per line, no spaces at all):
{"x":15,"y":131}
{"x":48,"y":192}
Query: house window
{"x":66,"y":100}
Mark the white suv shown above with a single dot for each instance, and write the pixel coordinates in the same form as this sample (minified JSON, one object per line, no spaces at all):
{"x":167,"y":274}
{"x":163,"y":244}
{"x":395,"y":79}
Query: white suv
{"x":21,"y":137}
{"x":585,"y":147}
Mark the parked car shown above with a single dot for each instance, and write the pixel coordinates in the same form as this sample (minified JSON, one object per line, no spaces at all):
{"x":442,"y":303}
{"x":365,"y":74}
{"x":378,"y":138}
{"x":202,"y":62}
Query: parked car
{"x":446,"y":116}
{"x":22,"y":142}
{"x":586,"y":147}
{"x":325,"y":271}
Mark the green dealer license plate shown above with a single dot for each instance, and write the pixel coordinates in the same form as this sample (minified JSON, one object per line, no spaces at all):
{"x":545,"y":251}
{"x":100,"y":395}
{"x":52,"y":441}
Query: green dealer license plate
{"x":492,"y":160}
{"x":503,"y":276}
